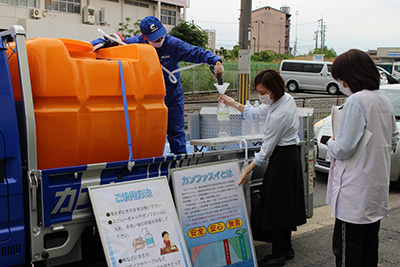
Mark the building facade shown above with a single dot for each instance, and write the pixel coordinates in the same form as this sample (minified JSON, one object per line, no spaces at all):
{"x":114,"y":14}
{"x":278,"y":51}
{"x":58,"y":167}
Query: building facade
{"x":388,"y":54}
{"x":211,"y":39}
{"x":79,"y":19}
{"x":270,"y":30}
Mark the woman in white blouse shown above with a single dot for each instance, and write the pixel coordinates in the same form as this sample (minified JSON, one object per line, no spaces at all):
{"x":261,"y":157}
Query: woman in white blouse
{"x":281,"y":208}
{"x":358,"y":194}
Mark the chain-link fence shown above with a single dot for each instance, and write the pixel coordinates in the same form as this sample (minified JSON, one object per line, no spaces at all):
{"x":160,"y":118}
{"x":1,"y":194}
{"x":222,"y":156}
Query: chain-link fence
{"x":199,"y":80}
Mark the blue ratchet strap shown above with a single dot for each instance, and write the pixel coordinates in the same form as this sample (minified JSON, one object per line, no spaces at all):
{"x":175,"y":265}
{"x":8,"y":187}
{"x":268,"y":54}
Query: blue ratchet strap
{"x":128,"y":128}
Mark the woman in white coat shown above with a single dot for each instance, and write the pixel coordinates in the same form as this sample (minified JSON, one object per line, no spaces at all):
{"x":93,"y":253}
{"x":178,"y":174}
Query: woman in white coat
{"x":359,"y":193}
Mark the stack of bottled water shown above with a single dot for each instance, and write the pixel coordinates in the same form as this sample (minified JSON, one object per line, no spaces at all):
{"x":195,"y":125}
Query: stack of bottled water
{"x":254,"y":125}
{"x":255,"y":129}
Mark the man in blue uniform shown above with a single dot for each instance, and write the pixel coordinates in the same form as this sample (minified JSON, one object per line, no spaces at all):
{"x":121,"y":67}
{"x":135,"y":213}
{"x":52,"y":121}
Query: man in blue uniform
{"x":170,"y":51}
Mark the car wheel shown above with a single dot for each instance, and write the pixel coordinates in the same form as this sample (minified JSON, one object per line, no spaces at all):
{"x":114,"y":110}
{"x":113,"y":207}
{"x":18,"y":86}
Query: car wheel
{"x":333,"y":89}
{"x":292,"y":86}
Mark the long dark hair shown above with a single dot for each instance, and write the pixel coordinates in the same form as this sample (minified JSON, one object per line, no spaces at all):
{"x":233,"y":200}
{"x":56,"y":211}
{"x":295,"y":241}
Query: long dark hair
{"x":357,"y":69}
{"x":271,"y":80}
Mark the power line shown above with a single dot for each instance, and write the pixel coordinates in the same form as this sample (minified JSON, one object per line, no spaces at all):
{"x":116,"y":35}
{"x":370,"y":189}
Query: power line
{"x":215,"y":22}
{"x":308,"y":23}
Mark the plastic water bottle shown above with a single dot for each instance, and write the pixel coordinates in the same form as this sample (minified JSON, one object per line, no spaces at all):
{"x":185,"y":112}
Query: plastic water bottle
{"x":223,"y":120}
{"x":246,"y":125}
{"x":255,"y":126}
{"x":261,"y":126}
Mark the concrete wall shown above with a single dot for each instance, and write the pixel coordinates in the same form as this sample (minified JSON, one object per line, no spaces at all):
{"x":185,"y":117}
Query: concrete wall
{"x":70,"y":25}
{"x":270,"y":30}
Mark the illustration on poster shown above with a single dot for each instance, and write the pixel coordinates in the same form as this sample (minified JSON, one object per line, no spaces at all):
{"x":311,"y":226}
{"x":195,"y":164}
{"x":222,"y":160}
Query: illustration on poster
{"x":149,"y":238}
{"x":167,"y":247}
{"x":138,"y":243}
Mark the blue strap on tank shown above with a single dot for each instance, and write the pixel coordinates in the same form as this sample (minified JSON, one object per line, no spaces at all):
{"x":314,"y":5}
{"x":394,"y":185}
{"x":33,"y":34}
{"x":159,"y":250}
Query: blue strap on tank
{"x":128,"y":128}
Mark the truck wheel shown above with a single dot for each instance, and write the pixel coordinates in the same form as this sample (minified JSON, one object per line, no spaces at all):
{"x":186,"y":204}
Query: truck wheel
{"x":292,"y":86}
{"x":333,"y":89}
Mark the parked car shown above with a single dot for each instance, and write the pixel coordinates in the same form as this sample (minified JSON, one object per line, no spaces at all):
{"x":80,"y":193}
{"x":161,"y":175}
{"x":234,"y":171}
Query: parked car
{"x":324,"y":128}
{"x":308,"y":75}
{"x":386,"y":77}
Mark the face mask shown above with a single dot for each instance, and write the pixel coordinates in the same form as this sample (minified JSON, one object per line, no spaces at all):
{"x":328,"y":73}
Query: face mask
{"x":265,"y":99}
{"x":157,"y":44}
{"x":345,"y":90}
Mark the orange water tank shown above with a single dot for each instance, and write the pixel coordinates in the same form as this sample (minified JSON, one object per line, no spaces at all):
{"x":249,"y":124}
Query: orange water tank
{"x":79,"y":106}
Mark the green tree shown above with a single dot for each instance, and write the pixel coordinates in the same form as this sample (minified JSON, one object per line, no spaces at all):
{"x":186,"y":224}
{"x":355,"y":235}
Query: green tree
{"x":268,"y":56}
{"x":329,"y":53}
{"x":125,"y":28}
{"x":190,"y":33}
{"x":235,"y":52}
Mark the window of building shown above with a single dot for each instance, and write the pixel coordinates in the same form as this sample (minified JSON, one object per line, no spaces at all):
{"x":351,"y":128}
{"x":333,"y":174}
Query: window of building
{"x":168,"y":17}
{"x":135,"y":3}
{"x":20,"y":3}
{"x":68,"y":6}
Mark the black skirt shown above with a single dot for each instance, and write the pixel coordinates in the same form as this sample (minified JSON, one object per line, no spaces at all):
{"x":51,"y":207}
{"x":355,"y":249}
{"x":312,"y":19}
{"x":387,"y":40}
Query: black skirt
{"x":282,"y":204}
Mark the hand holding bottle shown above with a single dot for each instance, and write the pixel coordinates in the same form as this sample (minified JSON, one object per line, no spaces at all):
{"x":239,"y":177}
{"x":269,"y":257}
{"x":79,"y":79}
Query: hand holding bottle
{"x":227,"y":100}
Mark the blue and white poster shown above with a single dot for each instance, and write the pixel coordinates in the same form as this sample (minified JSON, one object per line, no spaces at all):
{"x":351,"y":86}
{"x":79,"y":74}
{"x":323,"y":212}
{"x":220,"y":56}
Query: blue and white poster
{"x":138,"y":224}
{"x":212,"y":211}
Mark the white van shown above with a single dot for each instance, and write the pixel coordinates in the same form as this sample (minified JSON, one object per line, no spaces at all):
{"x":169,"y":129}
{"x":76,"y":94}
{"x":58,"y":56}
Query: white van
{"x":308,"y":75}
{"x":392,"y":67}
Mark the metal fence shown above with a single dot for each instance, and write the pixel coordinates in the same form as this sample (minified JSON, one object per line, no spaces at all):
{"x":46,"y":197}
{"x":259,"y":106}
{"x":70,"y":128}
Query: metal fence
{"x":322,"y":106}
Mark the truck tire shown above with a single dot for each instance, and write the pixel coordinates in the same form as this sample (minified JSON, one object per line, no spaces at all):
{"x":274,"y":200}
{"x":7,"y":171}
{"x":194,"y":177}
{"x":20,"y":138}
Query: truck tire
{"x":332,"y":89}
{"x":292,"y":86}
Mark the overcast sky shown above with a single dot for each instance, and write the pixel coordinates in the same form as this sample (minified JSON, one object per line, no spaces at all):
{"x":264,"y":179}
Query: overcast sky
{"x":362,"y":24}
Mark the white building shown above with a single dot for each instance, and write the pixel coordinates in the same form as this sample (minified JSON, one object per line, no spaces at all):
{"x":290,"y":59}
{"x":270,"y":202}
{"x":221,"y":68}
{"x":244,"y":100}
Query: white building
{"x":79,"y":19}
{"x":211,"y":39}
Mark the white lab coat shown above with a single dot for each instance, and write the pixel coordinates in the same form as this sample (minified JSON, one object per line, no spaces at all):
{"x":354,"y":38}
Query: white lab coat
{"x":360,"y":195}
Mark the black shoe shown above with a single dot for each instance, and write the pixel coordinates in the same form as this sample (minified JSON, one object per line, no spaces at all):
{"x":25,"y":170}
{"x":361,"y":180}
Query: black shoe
{"x":269,"y":261}
{"x":289,"y":254}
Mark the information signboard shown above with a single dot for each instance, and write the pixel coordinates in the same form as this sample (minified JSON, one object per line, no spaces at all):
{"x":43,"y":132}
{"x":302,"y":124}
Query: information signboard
{"x":212,"y":211}
{"x":138,"y":224}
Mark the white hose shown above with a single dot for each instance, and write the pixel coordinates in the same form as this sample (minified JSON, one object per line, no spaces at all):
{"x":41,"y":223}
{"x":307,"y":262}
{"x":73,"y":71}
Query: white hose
{"x":171,"y":75}
{"x":110,"y":37}
{"x":245,"y":147}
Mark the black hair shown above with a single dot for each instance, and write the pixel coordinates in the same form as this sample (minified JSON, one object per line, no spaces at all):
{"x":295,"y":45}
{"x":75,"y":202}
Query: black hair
{"x":271,"y":80}
{"x":164,"y":233}
{"x":357,"y":69}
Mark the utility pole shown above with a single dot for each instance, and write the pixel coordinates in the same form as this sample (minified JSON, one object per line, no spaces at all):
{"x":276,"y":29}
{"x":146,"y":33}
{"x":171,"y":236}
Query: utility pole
{"x":316,"y":39}
{"x":323,"y":35}
{"x":295,"y":41}
{"x":322,"y":32}
{"x":244,"y":51}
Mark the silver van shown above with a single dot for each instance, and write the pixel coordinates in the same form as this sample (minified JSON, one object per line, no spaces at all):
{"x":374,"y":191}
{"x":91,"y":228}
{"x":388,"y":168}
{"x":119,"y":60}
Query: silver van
{"x":308,"y":75}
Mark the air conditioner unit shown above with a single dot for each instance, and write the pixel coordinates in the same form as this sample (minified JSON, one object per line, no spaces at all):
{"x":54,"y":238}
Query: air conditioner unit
{"x":36,"y":13}
{"x":88,"y":15}
{"x":103,"y":16}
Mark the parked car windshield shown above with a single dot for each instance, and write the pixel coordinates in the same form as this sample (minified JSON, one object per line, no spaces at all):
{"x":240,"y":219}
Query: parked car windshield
{"x":394,"y":97}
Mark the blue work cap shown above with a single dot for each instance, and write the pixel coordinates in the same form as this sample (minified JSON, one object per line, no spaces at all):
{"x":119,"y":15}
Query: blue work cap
{"x":152,"y":28}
